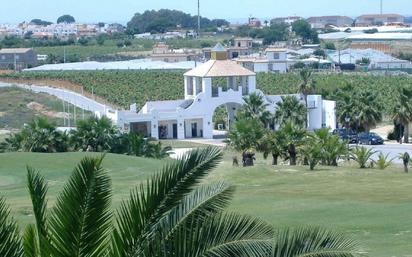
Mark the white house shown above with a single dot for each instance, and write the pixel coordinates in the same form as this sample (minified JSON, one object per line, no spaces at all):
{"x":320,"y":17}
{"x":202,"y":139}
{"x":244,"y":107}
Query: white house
{"x":218,"y":82}
{"x":275,"y":60}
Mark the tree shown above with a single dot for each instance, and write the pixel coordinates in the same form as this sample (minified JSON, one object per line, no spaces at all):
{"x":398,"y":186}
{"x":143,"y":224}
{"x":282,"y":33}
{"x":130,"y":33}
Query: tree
{"x":94,"y":134}
{"x":303,"y":29}
{"x":83,"y":41}
{"x":292,"y":136}
{"x":402,"y":111}
{"x":272,"y":144}
{"x":306,"y":85}
{"x":254,"y":108}
{"x":39,"y":135}
{"x":244,"y":136}
{"x":172,"y":214}
{"x":40,"y":22}
{"x":290,"y":109}
{"x":66,"y":19}
{"x":311,"y":150}
{"x":100,"y":39}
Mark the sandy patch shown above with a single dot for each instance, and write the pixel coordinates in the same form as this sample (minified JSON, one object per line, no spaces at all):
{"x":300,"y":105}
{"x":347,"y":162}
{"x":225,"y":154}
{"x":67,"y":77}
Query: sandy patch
{"x":383,"y":131}
{"x":38,"y":107}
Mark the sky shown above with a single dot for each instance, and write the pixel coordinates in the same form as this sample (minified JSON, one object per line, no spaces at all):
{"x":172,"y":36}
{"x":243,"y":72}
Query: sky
{"x":14,"y":11}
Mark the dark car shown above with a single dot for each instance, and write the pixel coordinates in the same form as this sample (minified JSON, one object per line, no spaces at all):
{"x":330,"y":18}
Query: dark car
{"x":370,"y":139}
{"x":347,"y":135}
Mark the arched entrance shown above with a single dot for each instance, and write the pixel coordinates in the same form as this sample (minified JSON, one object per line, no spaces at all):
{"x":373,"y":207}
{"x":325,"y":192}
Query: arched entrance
{"x":223,"y":116}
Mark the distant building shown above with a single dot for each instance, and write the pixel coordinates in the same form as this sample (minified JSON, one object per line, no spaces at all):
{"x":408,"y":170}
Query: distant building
{"x":161,"y":52}
{"x":321,"y":22}
{"x":243,"y":42}
{"x":379,"y":19}
{"x":254,"y":23}
{"x":240,"y":47}
{"x":288,"y":20}
{"x":274,"y":61}
{"x":17,"y":58}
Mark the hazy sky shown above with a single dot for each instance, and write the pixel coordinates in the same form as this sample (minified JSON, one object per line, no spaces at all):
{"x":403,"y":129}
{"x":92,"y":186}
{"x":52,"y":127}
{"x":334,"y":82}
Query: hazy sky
{"x":13,"y":11}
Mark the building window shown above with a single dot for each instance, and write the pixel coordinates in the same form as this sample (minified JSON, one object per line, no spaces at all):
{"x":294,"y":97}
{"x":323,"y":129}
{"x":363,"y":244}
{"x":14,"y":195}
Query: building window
{"x":17,"y":56}
{"x":276,"y":56}
{"x":3,"y":57}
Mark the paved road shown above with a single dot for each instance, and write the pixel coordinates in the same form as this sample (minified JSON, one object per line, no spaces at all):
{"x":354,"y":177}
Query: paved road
{"x":393,"y":149}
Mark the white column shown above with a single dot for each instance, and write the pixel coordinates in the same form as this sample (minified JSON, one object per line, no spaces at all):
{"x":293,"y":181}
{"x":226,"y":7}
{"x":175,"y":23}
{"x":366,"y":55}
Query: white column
{"x":207,"y":86}
{"x":252,"y":84}
{"x":180,"y":129}
{"x":154,"y":129}
{"x":208,"y":127}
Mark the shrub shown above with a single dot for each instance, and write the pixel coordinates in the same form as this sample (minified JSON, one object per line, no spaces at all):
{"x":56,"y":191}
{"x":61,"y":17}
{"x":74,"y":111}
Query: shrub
{"x":362,"y":156}
{"x":383,"y":161}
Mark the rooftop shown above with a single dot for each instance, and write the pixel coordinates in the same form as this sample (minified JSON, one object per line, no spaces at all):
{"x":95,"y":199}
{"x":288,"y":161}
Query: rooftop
{"x":14,"y":50}
{"x":219,"y":68}
{"x":275,"y":49}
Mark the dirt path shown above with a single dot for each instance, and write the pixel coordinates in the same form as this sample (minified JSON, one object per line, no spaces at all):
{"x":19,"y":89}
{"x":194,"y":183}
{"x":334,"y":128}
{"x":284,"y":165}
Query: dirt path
{"x":64,"y":84}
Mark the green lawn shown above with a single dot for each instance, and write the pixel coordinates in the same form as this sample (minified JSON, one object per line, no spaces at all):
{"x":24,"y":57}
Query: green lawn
{"x":375,"y":207}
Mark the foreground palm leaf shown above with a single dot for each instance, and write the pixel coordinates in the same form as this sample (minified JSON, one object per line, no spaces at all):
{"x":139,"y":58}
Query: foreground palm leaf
{"x":80,"y":223}
{"x":139,"y":217}
{"x":10,"y":243}
{"x":312,"y":242}
{"x":224,"y":236}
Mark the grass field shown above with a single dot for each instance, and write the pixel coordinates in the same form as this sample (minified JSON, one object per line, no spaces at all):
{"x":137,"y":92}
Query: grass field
{"x":19,"y":106}
{"x":372,"y":206}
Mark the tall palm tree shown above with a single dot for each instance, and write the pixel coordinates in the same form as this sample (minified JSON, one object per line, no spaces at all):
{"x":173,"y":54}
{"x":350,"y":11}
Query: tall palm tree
{"x":290,"y":109}
{"x":368,"y":109}
{"x":306,"y":85}
{"x":402,"y":111}
{"x":172,"y":214}
{"x":254,"y":107}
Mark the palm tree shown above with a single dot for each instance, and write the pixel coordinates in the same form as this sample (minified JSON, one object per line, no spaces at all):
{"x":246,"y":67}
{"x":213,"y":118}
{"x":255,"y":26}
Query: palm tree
{"x":292,"y":135}
{"x":369,"y":110}
{"x":306,"y":86}
{"x":362,"y":155}
{"x":172,"y":214}
{"x":402,"y":111}
{"x":332,"y":148}
{"x":94,"y":134}
{"x":290,"y":109}
{"x":272,"y":144}
{"x":245,"y":136}
{"x":255,"y":107}
{"x":311,"y":150}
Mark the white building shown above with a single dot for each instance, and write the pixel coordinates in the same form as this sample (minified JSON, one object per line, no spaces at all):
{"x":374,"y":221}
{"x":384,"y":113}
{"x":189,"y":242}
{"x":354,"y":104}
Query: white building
{"x":275,"y":60}
{"x":218,"y":82}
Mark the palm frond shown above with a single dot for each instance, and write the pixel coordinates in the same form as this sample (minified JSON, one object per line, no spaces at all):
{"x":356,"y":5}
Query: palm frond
{"x":160,"y":194}
{"x":10,"y":243}
{"x":312,"y":242}
{"x":196,"y":207}
{"x":224,"y":236}
{"x":80,"y":223}
{"x":31,"y":242}
{"x":38,"y":191}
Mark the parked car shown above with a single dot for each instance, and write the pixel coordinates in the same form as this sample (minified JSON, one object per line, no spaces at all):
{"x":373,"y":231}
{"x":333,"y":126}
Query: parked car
{"x":347,"y":135}
{"x":370,"y":139}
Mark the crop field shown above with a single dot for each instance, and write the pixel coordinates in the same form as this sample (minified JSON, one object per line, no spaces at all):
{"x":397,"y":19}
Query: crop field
{"x":138,"y":48}
{"x":372,"y":206}
{"x":126,"y":87}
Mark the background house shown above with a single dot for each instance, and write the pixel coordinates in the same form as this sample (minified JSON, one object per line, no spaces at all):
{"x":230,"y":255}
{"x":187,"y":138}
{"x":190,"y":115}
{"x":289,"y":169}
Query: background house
{"x":321,"y":22}
{"x":17,"y":58}
{"x":379,"y":19}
